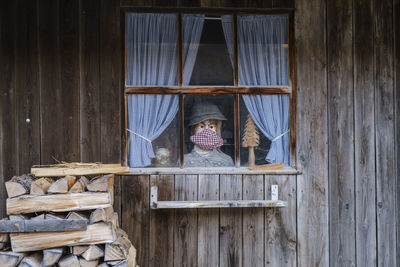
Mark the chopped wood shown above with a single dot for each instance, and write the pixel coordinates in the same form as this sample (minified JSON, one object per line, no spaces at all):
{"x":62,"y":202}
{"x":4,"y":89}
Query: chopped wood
{"x":272,"y":166}
{"x":92,"y":253}
{"x":10,"y":259}
{"x":3,"y":246}
{"x":50,"y":216}
{"x":58,"y":202}
{"x":59,"y":186}
{"x":50,"y":225}
{"x":33,"y":260}
{"x":80,"y":185}
{"x":51,"y":256}
{"x":41,"y":186}
{"x":78,"y":250}
{"x":69,"y":261}
{"x":132,"y":256}
{"x":103,"y":265}
{"x":17,"y":217}
{"x":80,"y":170}
{"x":85,"y":263}
{"x":98,"y":233}
{"x":70,"y":180}
{"x":77,"y":216}
{"x":123,"y":263}
{"x":114,"y":220}
{"x":3,"y":236}
{"x":39,"y":217}
{"x":98,"y":215}
{"x":15,"y":189}
{"x":113,"y":252}
{"x":102,"y":183}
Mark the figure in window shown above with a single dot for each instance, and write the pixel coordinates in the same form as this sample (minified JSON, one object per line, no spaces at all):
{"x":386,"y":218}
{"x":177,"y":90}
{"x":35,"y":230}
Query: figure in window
{"x":205,"y":122}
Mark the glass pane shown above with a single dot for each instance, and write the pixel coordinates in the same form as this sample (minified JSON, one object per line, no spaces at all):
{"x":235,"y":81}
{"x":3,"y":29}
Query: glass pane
{"x":151,"y":49}
{"x":263,"y":50}
{"x":264,"y":129}
{"x":209,"y":131}
{"x":207,"y":45}
{"x":153,"y":130}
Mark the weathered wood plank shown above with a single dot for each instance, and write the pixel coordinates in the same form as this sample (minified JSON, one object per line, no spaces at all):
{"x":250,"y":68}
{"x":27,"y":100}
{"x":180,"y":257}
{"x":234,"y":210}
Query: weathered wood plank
{"x":312,"y":137}
{"x":27,"y":84}
{"x":208,"y":222}
{"x":341,"y":133}
{"x":280,"y":226}
{"x":59,"y":58}
{"x":28,"y":226}
{"x":162,"y":224}
{"x":98,"y":233}
{"x":110,"y":81}
{"x":396,"y":24}
{"x":384,"y":135}
{"x":100,"y":169}
{"x":135,"y":217}
{"x":231,"y":227}
{"x":136,"y":3}
{"x":58,"y":202}
{"x":230,"y":204}
{"x":185,"y":231}
{"x":89,"y":93}
{"x":8,"y":136}
{"x":364,"y":134}
{"x":253,"y":222}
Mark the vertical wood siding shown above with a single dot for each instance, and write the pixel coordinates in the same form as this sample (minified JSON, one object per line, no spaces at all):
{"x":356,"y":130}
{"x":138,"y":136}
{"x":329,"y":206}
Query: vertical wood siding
{"x":61,"y":97}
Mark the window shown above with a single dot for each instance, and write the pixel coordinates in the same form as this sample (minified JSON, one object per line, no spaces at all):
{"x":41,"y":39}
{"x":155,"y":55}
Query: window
{"x":207,"y":90}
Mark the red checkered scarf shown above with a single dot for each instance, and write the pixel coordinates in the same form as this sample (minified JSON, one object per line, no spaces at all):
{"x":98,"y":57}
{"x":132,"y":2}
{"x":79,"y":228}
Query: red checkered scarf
{"x":207,"y":139}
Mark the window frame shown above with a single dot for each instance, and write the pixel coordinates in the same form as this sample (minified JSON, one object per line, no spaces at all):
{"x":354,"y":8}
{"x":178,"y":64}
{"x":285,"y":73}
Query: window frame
{"x":236,"y":90}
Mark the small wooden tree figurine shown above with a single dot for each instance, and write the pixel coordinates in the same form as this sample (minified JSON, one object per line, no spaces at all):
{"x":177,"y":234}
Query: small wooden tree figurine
{"x":251,"y":138}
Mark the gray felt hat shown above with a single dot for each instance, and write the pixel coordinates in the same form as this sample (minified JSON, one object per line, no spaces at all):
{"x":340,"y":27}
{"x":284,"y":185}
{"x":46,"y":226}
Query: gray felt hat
{"x":205,"y":111}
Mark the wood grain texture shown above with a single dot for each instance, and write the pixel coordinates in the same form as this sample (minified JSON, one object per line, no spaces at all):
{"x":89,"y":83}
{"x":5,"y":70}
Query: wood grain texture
{"x":396,"y":9}
{"x":384,"y":135}
{"x":110,"y":81}
{"x":280,"y":228}
{"x":253,"y":222}
{"x":8,"y":135}
{"x":162,"y":224}
{"x":208,"y":222}
{"x":89,"y":93}
{"x":135,"y":217}
{"x":27,"y":85}
{"x":185,"y":232}
{"x":230,"y":223}
{"x":136,"y":3}
{"x":364,"y":133}
{"x":341,"y":133}
{"x":312,"y":137}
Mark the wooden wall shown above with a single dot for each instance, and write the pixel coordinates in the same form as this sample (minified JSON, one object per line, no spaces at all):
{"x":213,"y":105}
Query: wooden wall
{"x":61,"y":97}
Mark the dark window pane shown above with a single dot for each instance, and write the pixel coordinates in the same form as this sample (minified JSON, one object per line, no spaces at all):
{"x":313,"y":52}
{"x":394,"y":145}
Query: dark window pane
{"x":209,"y":131}
{"x":206,"y":57}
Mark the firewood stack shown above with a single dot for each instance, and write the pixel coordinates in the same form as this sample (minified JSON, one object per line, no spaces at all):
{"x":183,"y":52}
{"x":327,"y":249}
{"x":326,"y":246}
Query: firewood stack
{"x":63,"y":221}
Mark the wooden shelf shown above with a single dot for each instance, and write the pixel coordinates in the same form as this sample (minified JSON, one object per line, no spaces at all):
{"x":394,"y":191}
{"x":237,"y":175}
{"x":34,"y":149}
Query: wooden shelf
{"x":273,"y":203}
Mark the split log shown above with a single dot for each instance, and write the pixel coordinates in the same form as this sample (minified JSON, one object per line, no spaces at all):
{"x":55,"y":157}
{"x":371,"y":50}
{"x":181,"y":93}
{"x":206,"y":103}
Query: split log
{"x":98,"y":233}
{"x":92,"y":253}
{"x":18,"y":217}
{"x":123,"y":263}
{"x":114,"y":220}
{"x":98,"y":215}
{"x":85,"y":263}
{"x":58,"y":202}
{"x":103,"y":265}
{"x":3,"y":246}
{"x":102,"y":183}
{"x":51,"y":256}
{"x":77,"y":216}
{"x":81,"y":170}
{"x":69,"y":261}
{"x":41,"y":186}
{"x":132,"y":256}
{"x":80,"y":185}
{"x":39,"y":217}
{"x":32,"y":226}
{"x":19,"y":185}
{"x":113,"y":252}
{"x":78,"y":250}
{"x":70,"y":180}
{"x":59,"y":186}
{"x":10,"y":259}
{"x":3,"y":236}
{"x":50,"y":216}
{"x":34,"y":260}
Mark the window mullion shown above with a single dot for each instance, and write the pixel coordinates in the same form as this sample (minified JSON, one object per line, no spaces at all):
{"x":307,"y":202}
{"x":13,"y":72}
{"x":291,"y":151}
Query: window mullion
{"x":180,"y":54}
{"x":235,"y":50}
{"x":237,"y":130}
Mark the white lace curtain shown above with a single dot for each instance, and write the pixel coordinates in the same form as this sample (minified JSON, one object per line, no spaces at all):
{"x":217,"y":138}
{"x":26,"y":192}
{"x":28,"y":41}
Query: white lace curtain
{"x":263,"y":60}
{"x":152,"y":59}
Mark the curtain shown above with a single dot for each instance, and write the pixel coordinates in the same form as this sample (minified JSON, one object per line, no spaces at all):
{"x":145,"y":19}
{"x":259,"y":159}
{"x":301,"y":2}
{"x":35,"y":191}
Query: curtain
{"x":263,"y":60}
{"x":152,"y":59}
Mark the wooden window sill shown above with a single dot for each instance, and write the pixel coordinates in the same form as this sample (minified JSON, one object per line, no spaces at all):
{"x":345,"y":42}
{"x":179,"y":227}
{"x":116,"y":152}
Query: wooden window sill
{"x":211,"y":170}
